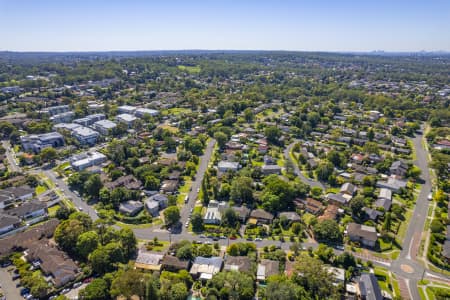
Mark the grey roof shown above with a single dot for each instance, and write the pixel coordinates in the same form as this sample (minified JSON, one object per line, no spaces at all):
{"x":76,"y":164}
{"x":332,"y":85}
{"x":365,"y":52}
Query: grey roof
{"x":369,"y":288}
{"x":26,"y":208}
{"x":383,"y":202}
{"x":214,"y":261}
{"x":20,"y":191}
{"x":373,"y":214}
{"x":7,"y":220}
{"x":107,"y":124}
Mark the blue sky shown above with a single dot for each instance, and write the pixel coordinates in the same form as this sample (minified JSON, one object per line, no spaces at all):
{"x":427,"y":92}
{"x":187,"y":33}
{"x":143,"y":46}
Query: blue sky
{"x":315,"y":25}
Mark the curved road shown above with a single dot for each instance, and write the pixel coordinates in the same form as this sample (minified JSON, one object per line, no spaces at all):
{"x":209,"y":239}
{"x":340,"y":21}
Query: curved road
{"x":297,"y":170}
{"x":405,"y":267}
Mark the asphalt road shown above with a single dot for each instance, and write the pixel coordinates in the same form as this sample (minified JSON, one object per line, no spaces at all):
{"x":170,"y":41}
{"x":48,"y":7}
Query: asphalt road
{"x":77,"y":201}
{"x":196,"y":184}
{"x":11,"y":157}
{"x":297,"y":170}
{"x":416,"y":225}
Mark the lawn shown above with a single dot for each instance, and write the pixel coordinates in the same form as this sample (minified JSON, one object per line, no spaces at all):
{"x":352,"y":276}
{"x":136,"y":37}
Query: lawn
{"x":52,"y":210}
{"x":184,"y":190}
{"x":40,"y":189}
{"x":190,"y":69}
{"x":138,"y":226}
{"x":159,"y":247}
{"x":403,"y":227}
{"x":169,"y":128}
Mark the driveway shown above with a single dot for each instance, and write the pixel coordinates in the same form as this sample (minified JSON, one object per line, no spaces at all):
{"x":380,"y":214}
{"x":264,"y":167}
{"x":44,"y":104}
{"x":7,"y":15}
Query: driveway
{"x":8,"y":285}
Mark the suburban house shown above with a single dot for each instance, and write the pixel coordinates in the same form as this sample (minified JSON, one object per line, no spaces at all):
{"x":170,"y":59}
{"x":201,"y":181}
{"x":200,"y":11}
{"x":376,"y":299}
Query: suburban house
{"x":310,"y":205}
{"x":290,"y":215}
{"x":338,"y":199}
{"x":148,"y":261}
{"x":131,"y":207}
{"x":267,"y":268}
{"x":242,"y":212}
{"x":270,"y":169}
{"x":237,"y":263}
{"x":225,"y":166}
{"x":52,"y":262}
{"x":169,"y":186}
{"x":152,"y":207}
{"x":338,"y":275}
{"x":366,"y":235}
{"x":8,"y":223}
{"x":214,"y":212}
{"x":174,"y":264}
{"x":14,"y":194}
{"x":398,"y":168}
{"x":204,"y":268}
{"x":392,"y":184}
{"x":129,"y":181}
{"x":162,"y":200}
{"x":348,"y":189}
{"x":260,"y":216}
{"x":29,"y":211}
{"x":36,"y":142}
{"x":368,"y":288}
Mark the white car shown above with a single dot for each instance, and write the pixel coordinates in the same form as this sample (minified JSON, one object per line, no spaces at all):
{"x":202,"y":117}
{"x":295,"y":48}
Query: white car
{"x":80,"y":208}
{"x":430,"y":196}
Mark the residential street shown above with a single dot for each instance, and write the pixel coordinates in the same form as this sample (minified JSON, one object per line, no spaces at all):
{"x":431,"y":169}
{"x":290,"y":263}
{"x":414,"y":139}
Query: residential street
{"x":11,"y":157}
{"x":406,"y":268}
{"x":196,"y":184}
{"x":297,"y":170}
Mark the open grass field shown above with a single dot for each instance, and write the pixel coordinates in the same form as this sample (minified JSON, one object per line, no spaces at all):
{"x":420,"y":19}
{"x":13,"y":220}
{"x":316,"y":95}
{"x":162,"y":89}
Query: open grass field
{"x":190,"y":69}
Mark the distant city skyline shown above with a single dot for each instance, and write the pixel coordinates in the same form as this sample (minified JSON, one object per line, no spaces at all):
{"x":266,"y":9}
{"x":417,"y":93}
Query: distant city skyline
{"x":323,"y":25}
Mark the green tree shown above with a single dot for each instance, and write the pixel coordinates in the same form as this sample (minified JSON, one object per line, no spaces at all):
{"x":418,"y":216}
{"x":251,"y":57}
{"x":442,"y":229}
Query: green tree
{"x":172,"y":215}
{"x":67,"y":233}
{"x":241,"y":189}
{"x":273,"y":134}
{"x":356,"y":205}
{"x":327,"y":231}
{"x":93,"y":185}
{"x":86,"y":243}
{"x":230,"y":218}
{"x":282,"y":288}
{"x":221,"y":139}
{"x":314,"y":277}
{"x":324,"y":171}
{"x":233,"y":285}
{"x":387,"y":222}
{"x":197,"y":222}
{"x":151,"y":183}
{"x":128,"y":241}
{"x":48,"y":154}
{"x":100,"y":261}
{"x":128,"y":283}
{"x":96,"y":290}
{"x":185,"y":252}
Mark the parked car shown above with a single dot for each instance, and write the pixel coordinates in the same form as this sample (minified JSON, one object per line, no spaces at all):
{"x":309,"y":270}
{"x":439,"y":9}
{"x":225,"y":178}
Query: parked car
{"x":77,"y":284}
{"x":258,"y":239}
{"x":65,"y":291}
{"x":24,"y":291}
{"x":430,"y":196}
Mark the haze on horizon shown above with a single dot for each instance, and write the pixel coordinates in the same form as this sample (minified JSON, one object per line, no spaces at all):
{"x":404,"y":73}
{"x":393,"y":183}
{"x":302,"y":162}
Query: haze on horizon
{"x":323,"y":25}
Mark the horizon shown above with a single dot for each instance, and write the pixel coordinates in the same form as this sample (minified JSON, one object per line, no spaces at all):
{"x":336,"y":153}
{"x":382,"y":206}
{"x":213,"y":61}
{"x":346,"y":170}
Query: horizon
{"x":323,"y":26}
